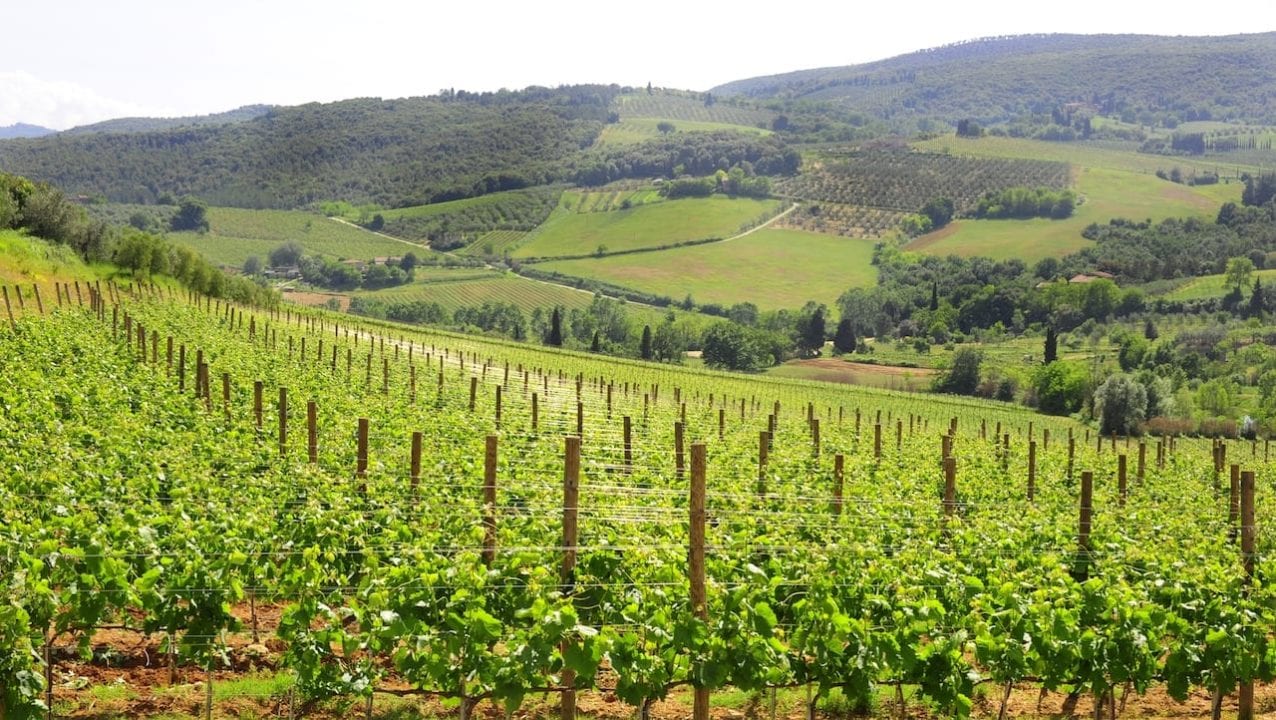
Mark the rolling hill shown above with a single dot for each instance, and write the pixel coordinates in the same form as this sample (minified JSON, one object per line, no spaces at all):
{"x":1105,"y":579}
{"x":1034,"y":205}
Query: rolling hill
{"x":1146,"y":78}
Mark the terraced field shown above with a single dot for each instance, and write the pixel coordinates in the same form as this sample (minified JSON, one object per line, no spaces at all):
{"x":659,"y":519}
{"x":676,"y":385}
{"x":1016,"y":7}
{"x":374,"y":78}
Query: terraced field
{"x":688,"y":108}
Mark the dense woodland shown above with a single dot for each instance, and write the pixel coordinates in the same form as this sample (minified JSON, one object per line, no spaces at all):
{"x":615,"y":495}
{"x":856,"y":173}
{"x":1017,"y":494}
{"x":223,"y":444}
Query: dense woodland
{"x":1141,"y":79}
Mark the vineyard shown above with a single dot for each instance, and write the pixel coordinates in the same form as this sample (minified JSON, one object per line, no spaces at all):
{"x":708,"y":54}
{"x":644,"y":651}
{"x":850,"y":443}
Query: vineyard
{"x":903,"y":181}
{"x":374,"y":514}
{"x":645,"y":226}
{"x":669,"y":106}
{"x":519,"y":210}
{"x":852,"y":221}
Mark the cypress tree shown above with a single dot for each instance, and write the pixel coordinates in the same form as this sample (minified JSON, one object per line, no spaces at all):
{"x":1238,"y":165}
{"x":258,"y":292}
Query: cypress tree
{"x":596,"y":345}
{"x":555,"y":336}
{"x":644,"y":348}
{"x":1052,"y":345}
{"x":844,"y":339}
{"x":934,"y":296}
{"x":1257,"y":303}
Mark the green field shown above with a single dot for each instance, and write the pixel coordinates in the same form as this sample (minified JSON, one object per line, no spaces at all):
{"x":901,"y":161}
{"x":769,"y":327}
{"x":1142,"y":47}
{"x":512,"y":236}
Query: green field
{"x":632,"y":131}
{"x":770,"y":268}
{"x":25,"y":260}
{"x":235,"y":234}
{"x":655,"y":225}
{"x":1215,"y":286}
{"x":1108,"y":194}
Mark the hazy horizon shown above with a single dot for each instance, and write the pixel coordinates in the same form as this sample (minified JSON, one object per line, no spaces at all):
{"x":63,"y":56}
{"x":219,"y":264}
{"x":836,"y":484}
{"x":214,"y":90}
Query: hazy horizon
{"x":147,"y":58}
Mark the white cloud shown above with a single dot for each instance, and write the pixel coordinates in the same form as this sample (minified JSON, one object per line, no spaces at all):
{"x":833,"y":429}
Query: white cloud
{"x":59,"y":104}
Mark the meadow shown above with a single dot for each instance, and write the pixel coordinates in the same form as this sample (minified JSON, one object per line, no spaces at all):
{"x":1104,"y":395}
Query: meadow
{"x":771,"y":268}
{"x":1215,"y":286}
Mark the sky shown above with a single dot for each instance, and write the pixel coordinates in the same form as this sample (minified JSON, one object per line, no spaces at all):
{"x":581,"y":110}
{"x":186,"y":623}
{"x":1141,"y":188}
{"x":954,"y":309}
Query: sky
{"x":73,"y":62}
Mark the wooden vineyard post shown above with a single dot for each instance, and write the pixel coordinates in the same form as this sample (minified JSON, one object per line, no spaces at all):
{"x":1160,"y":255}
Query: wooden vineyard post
{"x":1083,"y":524}
{"x":877,"y":441}
{"x":199,"y":373}
{"x":361,"y":457}
{"x":899,"y":438}
{"x":1072,"y":451}
{"x":1245,"y":698}
{"x":950,"y":486}
{"x":257,"y":401}
{"x":764,"y":445}
{"x":1234,"y":502}
{"x":312,"y":432}
{"x":13,"y":324}
{"x":839,"y":482}
{"x":1032,"y":470}
{"x":489,"y":500}
{"x":571,"y":499}
{"x":815,"y":438}
{"x":1121,"y":484}
{"x":722,"y":423}
{"x":473,"y":391}
{"x":535,"y":411}
{"x":679,"y":461}
{"x":1045,"y":439}
{"x":414,"y":463}
{"x":1142,"y":464}
{"x":699,"y":601}
{"x":40,"y":303}
{"x":498,"y":407}
{"x":411,"y":384}
{"x":283,"y":421}
{"x":629,"y":446}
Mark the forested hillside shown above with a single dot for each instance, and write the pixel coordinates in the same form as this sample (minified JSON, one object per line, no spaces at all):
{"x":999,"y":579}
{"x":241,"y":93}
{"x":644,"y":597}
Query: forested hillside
{"x":1141,"y":78}
{"x":392,"y":152}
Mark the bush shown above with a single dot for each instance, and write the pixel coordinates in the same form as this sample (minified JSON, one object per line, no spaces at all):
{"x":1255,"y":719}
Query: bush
{"x":1121,"y":404}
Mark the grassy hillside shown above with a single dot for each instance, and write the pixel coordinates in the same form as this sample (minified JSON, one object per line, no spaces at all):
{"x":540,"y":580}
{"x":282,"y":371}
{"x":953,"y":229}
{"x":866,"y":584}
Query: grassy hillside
{"x":654,"y":225}
{"x":770,"y":268}
{"x":1214,"y":286}
{"x":235,"y":234}
{"x":1146,"y":78}
{"x":26,"y":260}
{"x":1108,"y":194}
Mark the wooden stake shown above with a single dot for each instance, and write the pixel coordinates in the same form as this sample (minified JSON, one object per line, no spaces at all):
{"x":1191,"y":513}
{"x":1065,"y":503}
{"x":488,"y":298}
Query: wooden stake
{"x":629,"y":447}
{"x":699,"y":600}
{"x":489,"y":499}
{"x":1083,"y":523}
{"x":283,"y":421}
{"x":414,"y":467}
{"x":361,"y":457}
{"x":571,"y":499}
{"x":839,"y":481}
{"x":257,"y":400}
{"x":312,"y":431}
{"x":1245,"y":699}
{"x":679,"y":459}
{"x":1032,"y":470}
